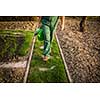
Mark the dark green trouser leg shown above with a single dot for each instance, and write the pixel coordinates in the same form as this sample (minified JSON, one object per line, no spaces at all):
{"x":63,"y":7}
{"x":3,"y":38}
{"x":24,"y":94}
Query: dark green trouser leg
{"x":48,"y":36}
{"x":47,"y":39}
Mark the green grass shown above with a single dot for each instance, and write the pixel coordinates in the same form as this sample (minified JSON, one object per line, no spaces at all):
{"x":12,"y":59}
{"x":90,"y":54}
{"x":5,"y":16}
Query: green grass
{"x":25,"y":47}
{"x":27,"y":35}
{"x":55,"y":75}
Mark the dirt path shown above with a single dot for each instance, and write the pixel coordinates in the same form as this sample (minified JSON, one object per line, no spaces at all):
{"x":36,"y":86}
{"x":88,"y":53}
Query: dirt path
{"x":81,"y":50}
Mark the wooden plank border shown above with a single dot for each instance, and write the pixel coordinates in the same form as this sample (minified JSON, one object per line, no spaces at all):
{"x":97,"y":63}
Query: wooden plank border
{"x":29,"y":60}
{"x":66,"y":67}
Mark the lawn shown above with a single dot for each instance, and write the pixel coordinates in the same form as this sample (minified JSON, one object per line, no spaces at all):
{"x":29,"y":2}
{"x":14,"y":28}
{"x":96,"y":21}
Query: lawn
{"x":52,"y":71}
{"x":14,"y":42}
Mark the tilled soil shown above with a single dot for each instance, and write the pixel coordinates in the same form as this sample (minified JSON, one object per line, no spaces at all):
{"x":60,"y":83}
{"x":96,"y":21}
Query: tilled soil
{"x":18,"y":25}
{"x":81,"y":50}
{"x":11,"y":74}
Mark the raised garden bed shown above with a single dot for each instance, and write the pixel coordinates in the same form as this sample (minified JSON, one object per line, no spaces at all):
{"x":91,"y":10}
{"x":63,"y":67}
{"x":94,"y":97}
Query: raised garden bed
{"x":14,"y":44}
{"x":14,"y":52}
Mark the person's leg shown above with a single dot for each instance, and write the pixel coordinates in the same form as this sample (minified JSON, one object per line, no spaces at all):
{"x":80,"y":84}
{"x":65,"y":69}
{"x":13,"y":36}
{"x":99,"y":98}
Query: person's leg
{"x":48,"y":36}
{"x":46,"y":32}
{"x":53,"y":27}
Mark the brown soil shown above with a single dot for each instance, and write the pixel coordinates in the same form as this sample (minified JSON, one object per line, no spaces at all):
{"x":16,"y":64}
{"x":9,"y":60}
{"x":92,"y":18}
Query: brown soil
{"x":81,"y":50}
{"x":11,"y":75}
{"x":18,"y":25}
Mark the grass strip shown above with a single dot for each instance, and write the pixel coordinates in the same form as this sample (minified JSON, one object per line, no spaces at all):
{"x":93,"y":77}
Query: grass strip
{"x":52,"y":71}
